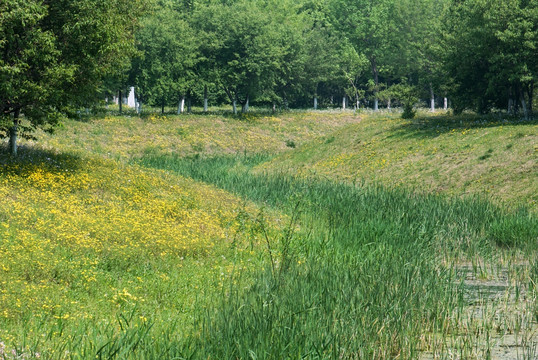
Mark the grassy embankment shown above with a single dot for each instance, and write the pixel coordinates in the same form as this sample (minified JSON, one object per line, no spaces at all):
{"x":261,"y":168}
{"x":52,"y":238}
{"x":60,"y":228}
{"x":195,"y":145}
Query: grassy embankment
{"x":367,"y":271}
{"x":467,"y":155}
{"x":96,"y":252}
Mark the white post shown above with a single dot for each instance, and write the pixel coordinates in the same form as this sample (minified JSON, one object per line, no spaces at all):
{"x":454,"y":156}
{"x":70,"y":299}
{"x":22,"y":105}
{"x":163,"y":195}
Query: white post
{"x":131,"y":102}
{"x":181,"y":105}
{"x":432,"y":99}
{"x":315,"y":102}
{"x":205,"y":99}
{"x":445,"y":103}
{"x":344,"y":103}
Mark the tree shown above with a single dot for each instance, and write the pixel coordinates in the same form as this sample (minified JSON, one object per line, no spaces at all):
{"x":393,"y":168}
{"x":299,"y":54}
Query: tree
{"x":323,"y":47}
{"x":54,"y":56}
{"x":419,"y":26}
{"x":253,"y":48}
{"x":491,"y":54}
{"x":369,"y":26}
{"x":163,"y":71}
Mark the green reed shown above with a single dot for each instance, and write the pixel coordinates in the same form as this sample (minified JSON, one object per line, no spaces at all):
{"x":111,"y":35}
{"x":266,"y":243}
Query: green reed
{"x":368,"y":272}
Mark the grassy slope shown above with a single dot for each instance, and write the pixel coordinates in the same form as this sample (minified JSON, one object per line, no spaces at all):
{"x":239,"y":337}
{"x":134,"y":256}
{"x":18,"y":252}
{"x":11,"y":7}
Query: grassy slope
{"x":88,"y":239}
{"x":89,"y":243}
{"x":80,"y":265}
{"x":455,"y":156}
{"x":132,"y":137}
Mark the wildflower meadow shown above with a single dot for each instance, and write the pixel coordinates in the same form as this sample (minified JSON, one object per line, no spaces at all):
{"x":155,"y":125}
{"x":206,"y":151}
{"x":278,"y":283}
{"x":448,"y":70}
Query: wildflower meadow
{"x":210,"y":237}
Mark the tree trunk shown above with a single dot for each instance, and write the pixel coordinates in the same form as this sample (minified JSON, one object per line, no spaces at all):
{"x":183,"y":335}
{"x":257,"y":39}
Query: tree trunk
{"x":181,"y":105}
{"x":432,"y":99}
{"x":244,"y":108}
{"x":139,"y":107}
{"x":376,"y":82}
{"x":388,"y":100}
{"x":234,"y":106}
{"x":524,"y":106}
{"x":120,"y":100}
{"x":162,"y":108}
{"x":189,"y":105}
{"x":445,"y":103}
{"x":344,"y":103}
{"x":315,"y":102}
{"x":530,"y":93}
{"x":205,"y":99}
{"x":13,"y":133}
{"x":274,"y":107}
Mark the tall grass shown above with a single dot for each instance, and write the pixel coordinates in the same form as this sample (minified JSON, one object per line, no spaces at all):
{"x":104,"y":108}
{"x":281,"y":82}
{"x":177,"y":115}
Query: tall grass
{"x":369,"y":271}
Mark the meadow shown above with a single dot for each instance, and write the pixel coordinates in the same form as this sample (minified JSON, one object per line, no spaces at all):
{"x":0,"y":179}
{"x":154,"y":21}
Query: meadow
{"x":317,"y":235}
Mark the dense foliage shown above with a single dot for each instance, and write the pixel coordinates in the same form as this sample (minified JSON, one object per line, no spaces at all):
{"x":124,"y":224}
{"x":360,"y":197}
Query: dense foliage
{"x":63,"y":55}
{"x":55,"y":55}
{"x":478,"y":53}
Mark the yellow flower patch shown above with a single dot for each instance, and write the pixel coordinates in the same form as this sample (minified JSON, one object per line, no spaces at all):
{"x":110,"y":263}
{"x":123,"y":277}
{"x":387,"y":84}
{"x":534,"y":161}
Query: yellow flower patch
{"x":81,"y":237}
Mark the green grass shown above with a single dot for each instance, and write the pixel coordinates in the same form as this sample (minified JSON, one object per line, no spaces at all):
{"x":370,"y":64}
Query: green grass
{"x":322,"y":251}
{"x":459,"y":156}
{"x":370,"y":270}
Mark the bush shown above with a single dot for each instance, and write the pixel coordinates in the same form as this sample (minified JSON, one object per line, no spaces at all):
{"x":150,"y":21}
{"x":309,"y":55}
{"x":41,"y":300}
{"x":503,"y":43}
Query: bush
{"x":290,"y":143}
{"x":408,"y":112}
{"x":407,"y":95}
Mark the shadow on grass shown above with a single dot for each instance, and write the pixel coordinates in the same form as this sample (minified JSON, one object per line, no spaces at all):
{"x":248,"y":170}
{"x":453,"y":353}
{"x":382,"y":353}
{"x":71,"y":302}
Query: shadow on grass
{"x":30,"y":159}
{"x":434,"y":126}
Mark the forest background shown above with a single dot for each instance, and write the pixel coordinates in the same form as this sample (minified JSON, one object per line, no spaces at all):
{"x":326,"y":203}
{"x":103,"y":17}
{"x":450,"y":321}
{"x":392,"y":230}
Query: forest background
{"x":60,"y":57}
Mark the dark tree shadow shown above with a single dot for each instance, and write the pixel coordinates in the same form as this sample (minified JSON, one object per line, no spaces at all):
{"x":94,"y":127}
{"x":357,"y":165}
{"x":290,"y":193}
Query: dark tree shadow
{"x":434,"y":126}
{"x":30,"y":159}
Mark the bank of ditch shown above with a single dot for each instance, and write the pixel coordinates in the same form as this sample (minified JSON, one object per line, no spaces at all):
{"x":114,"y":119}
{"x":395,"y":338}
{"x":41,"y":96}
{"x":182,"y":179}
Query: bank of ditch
{"x":362,"y":272}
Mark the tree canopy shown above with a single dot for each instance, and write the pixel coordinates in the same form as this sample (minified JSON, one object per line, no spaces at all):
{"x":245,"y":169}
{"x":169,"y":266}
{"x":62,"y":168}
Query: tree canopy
{"x":56,"y":56}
